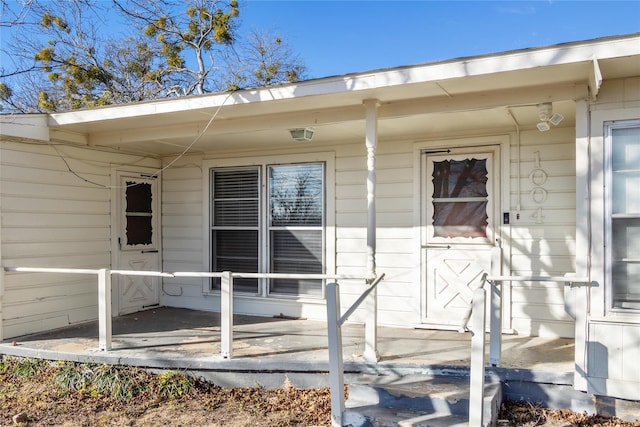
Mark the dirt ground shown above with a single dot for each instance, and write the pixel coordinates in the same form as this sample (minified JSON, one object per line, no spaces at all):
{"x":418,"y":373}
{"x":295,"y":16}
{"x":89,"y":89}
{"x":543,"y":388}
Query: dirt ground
{"x":44,"y":394}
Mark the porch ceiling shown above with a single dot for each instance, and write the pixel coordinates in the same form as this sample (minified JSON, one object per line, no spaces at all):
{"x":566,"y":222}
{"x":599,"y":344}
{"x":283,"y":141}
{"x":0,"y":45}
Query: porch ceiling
{"x":422,"y":101}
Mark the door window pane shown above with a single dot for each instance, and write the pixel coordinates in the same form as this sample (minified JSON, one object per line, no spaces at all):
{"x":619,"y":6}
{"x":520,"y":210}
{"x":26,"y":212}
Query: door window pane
{"x":460,"y":219}
{"x":138,"y":214}
{"x":138,"y":196}
{"x":460,"y":198}
{"x":460,"y":178}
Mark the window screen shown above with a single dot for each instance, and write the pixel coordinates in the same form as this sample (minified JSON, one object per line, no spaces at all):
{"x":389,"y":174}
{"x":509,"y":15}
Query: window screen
{"x":625,"y":217}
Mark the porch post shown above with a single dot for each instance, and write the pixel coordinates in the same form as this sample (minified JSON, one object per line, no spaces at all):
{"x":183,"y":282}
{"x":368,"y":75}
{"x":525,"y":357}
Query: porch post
{"x":495,"y":322}
{"x":104,"y":309}
{"x":478,"y":347}
{"x":583,"y":242}
{"x":495,"y":315}
{"x":336,"y":366}
{"x":226,"y":315}
{"x":371,"y":305}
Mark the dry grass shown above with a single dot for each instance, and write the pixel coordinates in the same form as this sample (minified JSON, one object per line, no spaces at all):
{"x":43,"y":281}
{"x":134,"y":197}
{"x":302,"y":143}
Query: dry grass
{"x":40,"y":393}
{"x":528,"y":415}
{"x":35,"y":392}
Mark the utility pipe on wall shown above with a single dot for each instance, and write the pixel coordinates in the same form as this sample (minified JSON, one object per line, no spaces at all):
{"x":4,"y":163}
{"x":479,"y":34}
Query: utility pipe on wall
{"x":518,"y":162}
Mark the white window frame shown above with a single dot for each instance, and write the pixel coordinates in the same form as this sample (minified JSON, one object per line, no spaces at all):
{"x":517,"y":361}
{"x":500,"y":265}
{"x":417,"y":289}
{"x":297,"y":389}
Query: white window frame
{"x":269,"y":227}
{"x":328,"y":158}
{"x":609,"y":127}
{"x":257,"y":228}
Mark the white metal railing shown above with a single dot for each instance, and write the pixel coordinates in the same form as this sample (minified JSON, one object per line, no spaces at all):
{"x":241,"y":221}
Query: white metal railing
{"x":334,"y":320}
{"x":104,"y":292}
{"x":477,"y":311}
{"x":334,"y":335}
{"x":226,"y":294}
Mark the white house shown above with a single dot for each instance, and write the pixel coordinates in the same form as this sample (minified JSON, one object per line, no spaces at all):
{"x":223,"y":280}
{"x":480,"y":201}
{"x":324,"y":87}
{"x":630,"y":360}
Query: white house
{"x":521,"y":163}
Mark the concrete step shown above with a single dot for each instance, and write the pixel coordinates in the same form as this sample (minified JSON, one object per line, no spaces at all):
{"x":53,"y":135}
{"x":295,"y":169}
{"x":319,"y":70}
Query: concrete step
{"x":417,"y":400}
{"x":377,"y":416}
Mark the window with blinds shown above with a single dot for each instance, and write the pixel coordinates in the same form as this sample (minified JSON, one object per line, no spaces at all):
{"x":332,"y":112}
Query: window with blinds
{"x":235,"y":211}
{"x":296,"y":220}
{"x":623,"y":168}
{"x":293,"y":239}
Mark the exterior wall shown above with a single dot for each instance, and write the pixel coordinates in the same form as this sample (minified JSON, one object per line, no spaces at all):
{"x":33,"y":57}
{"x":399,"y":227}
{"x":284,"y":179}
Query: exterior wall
{"x":547,"y":248}
{"x":182,"y":230}
{"x":609,"y":351}
{"x":397,"y":249}
{"x":184,"y":224}
{"x":542,"y":229}
{"x":51,"y":218}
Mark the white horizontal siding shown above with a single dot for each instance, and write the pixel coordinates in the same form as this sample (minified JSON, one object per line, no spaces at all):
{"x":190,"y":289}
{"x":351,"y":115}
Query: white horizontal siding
{"x":53,"y":218}
{"x":396,"y":255}
{"x":183,"y":225}
{"x":543,"y":230}
{"x":547,"y":248}
{"x":182,"y":228}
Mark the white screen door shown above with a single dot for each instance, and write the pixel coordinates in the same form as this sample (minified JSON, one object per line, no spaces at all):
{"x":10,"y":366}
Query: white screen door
{"x":460,"y":202}
{"x":138,"y":241}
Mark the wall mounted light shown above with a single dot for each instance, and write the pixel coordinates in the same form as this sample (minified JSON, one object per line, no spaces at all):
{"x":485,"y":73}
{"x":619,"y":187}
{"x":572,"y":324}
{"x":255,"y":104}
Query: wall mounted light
{"x":546,"y":116}
{"x":302,"y":134}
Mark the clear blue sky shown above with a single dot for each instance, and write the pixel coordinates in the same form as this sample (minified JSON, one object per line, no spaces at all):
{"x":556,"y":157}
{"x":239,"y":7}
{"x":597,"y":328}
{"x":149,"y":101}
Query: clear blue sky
{"x":339,"y":37}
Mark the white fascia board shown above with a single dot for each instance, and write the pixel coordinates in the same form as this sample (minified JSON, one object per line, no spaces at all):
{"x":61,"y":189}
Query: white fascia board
{"x":520,"y":60}
{"x":25,"y":126}
{"x":430,"y":72}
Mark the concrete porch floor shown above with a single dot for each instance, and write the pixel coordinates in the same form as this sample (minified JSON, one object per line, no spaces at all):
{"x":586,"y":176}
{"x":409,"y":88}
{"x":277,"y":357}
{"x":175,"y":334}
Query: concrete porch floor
{"x":188,"y":339}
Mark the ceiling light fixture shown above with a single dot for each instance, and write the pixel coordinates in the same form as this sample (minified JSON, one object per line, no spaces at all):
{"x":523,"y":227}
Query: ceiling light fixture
{"x":302,"y":134}
{"x":546,"y":116}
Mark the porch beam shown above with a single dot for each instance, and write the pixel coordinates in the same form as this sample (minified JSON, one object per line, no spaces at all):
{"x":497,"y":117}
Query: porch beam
{"x":371,"y":305}
{"x":346,"y":113}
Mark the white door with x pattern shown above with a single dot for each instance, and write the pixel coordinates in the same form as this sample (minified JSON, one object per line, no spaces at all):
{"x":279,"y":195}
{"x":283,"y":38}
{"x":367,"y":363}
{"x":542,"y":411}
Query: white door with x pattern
{"x":460,"y":213}
{"x":138,"y":241}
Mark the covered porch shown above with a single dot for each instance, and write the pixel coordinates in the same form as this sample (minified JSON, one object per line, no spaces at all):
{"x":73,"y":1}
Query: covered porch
{"x":174,"y":338}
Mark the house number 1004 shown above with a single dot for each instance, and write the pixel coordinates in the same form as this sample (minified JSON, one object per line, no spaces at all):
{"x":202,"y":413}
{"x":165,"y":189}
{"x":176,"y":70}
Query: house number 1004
{"x":538,"y":194}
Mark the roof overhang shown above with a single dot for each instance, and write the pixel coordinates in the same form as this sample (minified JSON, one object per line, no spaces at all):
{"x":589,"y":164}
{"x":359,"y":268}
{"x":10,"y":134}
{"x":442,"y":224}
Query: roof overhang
{"x":413,"y":99}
